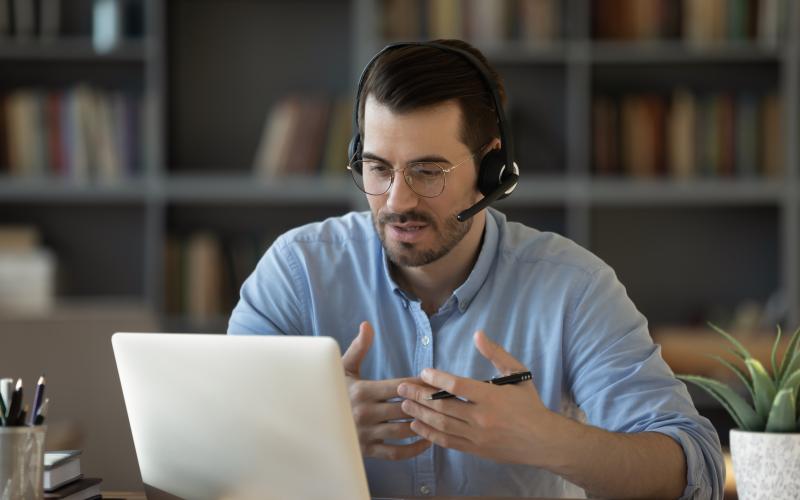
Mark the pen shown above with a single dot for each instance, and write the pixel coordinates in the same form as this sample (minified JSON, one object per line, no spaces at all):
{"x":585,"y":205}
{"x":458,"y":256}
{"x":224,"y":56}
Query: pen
{"x":39,"y":417}
{"x":38,"y":398}
{"x":2,"y":410}
{"x":514,"y":378}
{"x":21,"y":419}
{"x":5,"y":390}
{"x":15,"y":406}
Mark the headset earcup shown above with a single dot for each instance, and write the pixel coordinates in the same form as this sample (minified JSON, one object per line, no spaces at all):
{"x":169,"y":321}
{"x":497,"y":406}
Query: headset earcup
{"x":490,"y":170}
{"x":354,"y":149}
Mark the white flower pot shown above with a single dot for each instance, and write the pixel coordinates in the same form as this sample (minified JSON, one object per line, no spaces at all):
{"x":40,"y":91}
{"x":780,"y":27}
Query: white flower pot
{"x":766,"y":465}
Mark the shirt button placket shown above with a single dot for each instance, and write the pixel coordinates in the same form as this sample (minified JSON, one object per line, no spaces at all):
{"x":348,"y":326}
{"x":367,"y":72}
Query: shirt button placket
{"x":424,"y":476}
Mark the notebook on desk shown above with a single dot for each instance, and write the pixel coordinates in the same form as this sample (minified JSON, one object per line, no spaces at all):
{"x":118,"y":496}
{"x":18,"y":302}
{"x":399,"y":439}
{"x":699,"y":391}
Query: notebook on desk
{"x":217,"y":416}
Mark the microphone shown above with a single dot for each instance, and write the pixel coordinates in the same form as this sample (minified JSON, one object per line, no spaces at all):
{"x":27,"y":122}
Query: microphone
{"x":504,"y":188}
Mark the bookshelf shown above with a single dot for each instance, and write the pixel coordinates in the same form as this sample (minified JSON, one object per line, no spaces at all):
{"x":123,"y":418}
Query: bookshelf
{"x":208,"y":86}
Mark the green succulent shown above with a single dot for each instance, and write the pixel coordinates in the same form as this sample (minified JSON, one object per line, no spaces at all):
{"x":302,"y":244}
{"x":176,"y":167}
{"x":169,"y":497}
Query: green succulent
{"x":774,"y":398}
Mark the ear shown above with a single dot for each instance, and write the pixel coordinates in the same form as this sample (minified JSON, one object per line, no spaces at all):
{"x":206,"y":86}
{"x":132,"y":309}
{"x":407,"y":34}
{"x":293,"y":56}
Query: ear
{"x":494,"y":144}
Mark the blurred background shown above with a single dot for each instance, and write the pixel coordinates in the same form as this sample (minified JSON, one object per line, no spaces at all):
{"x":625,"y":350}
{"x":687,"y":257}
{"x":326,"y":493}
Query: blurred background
{"x":151,"y":150}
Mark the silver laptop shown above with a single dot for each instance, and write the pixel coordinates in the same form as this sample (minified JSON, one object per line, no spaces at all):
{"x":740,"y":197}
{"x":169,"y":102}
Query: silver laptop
{"x":240,"y":417}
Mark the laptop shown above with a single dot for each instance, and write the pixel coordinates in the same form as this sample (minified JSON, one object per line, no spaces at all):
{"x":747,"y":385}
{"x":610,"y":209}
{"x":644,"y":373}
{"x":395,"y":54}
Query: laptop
{"x":240,"y":417}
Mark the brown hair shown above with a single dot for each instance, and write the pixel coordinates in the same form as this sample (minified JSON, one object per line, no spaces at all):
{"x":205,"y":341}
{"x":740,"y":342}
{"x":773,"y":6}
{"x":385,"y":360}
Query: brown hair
{"x":416,"y":76}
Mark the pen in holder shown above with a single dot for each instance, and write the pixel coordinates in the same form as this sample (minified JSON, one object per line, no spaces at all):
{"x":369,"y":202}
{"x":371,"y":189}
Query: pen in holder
{"x":21,"y":462}
{"x":21,"y":441}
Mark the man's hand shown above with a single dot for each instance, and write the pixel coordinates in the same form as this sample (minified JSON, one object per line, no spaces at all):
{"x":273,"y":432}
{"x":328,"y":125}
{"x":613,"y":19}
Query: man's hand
{"x":498,"y":422}
{"x":372,"y":411}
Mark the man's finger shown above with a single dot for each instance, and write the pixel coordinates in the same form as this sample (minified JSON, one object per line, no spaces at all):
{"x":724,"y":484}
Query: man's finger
{"x":380,"y":432}
{"x":441,"y":438}
{"x":365,"y":415}
{"x":378,"y":390}
{"x":451,"y":407}
{"x":395,"y":451}
{"x":352,"y":358}
{"x":443,"y":423}
{"x":504,"y":362}
{"x":467,"y":388}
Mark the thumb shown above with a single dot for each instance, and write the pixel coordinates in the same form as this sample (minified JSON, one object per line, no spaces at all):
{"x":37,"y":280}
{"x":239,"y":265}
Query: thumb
{"x":502,"y":360}
{"x":352,"y":358}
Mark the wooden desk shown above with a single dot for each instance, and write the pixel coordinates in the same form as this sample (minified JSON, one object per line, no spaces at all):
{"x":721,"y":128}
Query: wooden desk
{"x":133,"y":495}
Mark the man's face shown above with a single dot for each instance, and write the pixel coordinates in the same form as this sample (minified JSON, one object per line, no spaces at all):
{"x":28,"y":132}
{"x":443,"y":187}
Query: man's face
{"x":416,"y":230}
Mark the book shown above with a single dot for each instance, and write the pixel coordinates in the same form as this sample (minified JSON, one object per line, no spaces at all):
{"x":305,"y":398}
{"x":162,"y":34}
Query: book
{"x":204,"y":279}
{"x":82,"y":489}
{"x":5,"y":17}
{"x":540,"y":20}
{"x":24,"y":18}
{"x":18,"y":238}
{"x":49,"y":18}
{"x":681,"y":149}
{"x":61,"y":468}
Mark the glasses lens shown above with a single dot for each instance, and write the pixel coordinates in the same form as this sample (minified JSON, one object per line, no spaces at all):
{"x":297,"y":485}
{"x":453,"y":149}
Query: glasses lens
{"x":426,"y":179}
{"x":372,"y":177}
{"x":375,"y":178}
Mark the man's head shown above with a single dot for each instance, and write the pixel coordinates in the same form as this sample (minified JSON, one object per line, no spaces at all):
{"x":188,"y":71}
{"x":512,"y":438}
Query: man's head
{"x":423,"y":103}
{"x":418,"y":76}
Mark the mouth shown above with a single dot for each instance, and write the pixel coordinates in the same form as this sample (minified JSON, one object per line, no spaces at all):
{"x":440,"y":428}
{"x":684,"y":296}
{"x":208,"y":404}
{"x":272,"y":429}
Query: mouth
{"x":409,"y":232}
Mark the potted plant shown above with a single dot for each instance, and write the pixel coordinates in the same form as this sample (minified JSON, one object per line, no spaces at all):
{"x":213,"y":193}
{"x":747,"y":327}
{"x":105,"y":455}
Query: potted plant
{"x":765,"y":446}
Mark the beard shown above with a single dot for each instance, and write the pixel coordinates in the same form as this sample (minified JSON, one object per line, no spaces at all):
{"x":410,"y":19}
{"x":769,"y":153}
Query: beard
{"x":406,"y":254}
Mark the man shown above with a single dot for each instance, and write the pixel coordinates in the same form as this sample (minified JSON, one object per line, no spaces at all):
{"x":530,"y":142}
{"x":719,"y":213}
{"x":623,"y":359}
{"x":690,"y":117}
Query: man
{"x":415,"y":283}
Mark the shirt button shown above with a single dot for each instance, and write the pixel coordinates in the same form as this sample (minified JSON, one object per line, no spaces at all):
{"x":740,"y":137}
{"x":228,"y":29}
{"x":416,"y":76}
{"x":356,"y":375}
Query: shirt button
{"x":425,"y":489}
{"x":426,"y":340}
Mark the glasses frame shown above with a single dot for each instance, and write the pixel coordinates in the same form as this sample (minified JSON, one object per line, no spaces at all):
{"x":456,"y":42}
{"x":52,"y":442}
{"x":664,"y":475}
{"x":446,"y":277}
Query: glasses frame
{"x":445,"y":171}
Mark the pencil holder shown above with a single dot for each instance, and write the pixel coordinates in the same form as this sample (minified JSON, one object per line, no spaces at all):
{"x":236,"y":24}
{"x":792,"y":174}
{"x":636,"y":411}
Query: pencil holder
{"x":21,"y":462}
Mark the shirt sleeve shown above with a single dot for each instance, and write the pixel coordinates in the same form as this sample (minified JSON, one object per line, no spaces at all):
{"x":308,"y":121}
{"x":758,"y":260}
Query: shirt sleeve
{"x":271,"y":299}
{"x":620,"y":381}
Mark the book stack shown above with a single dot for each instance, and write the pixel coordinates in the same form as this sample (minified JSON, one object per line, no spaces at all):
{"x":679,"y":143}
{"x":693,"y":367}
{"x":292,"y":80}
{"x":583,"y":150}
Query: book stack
{"x":76,"y":133}
{"x":204,"y":272}
{"x":27,"y":272}
{"x":25,"y":19}
{"x":63,"y":478}
{"x":41,"y":19}
{"x":481,"y":22}
{"x":698,"y":23}
{"x":304,"y":135}
{"x":687,"y":134}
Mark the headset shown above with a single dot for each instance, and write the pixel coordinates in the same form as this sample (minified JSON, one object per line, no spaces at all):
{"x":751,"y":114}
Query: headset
{"x":495,"y":181}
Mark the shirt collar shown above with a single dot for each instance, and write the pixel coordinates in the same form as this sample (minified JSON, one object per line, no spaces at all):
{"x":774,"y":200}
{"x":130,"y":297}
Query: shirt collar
{"x":467,"y":291}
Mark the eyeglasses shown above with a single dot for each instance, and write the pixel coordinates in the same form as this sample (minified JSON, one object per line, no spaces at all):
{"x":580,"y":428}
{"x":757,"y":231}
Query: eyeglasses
{"x":426,"y":178}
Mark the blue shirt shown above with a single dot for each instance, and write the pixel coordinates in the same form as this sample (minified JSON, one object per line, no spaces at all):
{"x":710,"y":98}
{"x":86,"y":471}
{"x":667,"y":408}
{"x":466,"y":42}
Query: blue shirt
{"x":553,"y":305}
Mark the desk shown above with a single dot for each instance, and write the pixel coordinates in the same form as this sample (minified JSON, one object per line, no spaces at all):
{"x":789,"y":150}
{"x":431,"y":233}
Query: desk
{"x":133,"y":495}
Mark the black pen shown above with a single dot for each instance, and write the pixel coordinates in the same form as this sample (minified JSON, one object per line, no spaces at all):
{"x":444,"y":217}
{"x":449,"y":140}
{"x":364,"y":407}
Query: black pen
{"x":514,"y":378}
{"x":15,"y":406}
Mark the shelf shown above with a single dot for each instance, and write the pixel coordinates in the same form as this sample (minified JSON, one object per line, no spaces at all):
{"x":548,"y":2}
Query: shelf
{"x":532,"y":191}
{"x":69,"y":49}
{"x":244,"y":188}
{"x":658,"y":52}
{"x":27,"y":190}
{"x":692,"y":191}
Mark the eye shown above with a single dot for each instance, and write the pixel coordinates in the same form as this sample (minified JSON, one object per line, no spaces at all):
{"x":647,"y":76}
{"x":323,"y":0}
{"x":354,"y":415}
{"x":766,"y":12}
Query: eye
{"x":427,"y":171}
{"x":376,"y":168}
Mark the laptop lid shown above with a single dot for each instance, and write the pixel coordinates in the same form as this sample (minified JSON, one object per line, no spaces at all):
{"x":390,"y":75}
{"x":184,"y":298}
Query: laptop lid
{"x":218,"y":416}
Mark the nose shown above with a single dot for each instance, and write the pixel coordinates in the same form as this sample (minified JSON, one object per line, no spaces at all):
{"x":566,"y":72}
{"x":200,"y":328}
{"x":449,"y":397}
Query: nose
{"x":400,"y":196}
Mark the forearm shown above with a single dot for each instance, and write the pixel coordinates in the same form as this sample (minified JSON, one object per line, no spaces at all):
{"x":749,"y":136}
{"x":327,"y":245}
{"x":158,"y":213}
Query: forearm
{"x":608,"y":464}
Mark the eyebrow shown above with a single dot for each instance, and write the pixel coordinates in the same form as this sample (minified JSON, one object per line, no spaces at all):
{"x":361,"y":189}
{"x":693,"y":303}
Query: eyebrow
{"x":421,"y":159}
